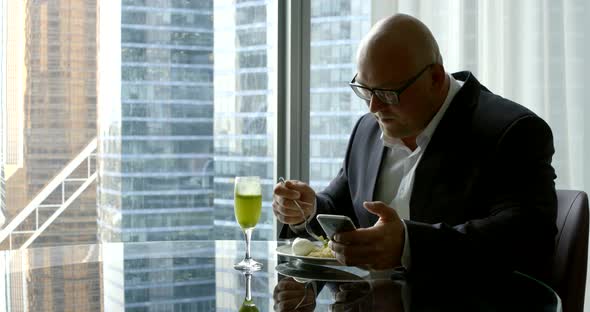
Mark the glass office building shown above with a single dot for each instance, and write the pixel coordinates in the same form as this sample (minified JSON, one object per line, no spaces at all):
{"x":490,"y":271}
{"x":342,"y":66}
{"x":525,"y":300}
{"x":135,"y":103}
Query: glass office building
{"x":58,"y":106}
{"x":156,"y":180}
{"x":337,"y":27}
{"x":245,"y":102}
{"x":156,"y":148}
{"x":49,"y":97}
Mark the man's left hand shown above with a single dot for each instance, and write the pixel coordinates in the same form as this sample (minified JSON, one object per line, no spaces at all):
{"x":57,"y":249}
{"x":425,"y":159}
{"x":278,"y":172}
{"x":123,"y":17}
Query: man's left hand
{"x":378,"y":247}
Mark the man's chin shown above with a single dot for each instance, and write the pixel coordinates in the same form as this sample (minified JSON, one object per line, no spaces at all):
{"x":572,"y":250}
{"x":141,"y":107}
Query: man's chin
{"x":392,"y":133}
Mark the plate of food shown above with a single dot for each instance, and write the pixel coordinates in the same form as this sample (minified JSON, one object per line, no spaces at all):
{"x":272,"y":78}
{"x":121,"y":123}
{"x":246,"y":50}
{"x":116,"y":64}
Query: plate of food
{"x":307,"y":272}
{"x":308,"y":251}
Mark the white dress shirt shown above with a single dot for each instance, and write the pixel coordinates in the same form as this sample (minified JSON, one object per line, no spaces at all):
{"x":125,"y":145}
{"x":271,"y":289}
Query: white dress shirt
{"x":396,"y":177}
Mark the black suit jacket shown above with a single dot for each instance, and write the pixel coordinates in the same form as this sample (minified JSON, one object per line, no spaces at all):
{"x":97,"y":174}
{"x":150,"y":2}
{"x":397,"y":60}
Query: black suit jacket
{"x":483,"y":200}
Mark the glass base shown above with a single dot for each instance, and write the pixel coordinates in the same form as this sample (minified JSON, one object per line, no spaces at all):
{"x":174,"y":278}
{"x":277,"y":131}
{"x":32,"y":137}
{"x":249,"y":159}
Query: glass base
{"x":248,"y":265}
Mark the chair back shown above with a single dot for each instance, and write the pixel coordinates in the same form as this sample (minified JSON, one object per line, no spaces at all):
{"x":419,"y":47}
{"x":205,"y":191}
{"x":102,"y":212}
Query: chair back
{"x":571,"y":249}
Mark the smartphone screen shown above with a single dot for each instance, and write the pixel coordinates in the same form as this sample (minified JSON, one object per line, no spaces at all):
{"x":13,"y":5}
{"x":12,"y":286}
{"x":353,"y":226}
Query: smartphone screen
{"x":332,"y":224}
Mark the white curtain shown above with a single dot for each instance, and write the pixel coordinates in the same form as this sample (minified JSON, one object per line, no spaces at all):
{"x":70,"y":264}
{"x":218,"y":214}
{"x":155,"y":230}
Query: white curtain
{"x":533,"y":52}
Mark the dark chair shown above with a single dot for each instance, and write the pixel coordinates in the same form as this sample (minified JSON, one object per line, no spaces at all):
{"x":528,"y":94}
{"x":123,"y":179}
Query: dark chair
{"x":571,"y":249}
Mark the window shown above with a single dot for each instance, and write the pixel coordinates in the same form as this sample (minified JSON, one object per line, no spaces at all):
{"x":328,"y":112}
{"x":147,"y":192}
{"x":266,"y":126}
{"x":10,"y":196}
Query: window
{"x":183,"y":98}
{"x":185,"y":101}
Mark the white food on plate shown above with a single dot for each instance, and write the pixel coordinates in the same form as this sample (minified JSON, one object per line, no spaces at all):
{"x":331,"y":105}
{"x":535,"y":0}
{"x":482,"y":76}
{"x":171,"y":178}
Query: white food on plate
{"x":302,"y":247}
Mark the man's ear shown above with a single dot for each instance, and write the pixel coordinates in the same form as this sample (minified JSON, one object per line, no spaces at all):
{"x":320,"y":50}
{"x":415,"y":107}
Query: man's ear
{"x":438,"y":76}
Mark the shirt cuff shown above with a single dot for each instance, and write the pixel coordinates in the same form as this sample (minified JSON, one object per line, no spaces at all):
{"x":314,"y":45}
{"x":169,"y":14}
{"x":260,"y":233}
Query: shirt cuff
{"x":300,"y":228}
{"x":406,"y":256}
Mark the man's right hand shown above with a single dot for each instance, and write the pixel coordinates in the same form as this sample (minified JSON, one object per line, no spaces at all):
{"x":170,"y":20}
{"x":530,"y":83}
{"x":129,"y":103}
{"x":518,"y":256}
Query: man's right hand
{"x":283,"y":204}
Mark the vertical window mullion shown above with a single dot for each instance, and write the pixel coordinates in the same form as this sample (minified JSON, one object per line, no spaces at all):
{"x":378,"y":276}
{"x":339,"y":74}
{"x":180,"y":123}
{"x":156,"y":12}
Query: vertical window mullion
{"x":293,"y":79}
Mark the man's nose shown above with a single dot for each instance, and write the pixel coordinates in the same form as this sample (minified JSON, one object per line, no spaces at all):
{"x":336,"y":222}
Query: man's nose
{"x":375,"y":104}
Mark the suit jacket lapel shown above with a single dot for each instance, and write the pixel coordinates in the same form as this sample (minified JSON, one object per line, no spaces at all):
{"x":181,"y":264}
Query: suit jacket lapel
{"x":445,"y":139}
{"x":375,"y":158}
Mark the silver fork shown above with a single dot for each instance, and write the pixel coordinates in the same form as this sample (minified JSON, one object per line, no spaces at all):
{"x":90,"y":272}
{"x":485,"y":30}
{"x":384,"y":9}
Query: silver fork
{"x":307,"y":228}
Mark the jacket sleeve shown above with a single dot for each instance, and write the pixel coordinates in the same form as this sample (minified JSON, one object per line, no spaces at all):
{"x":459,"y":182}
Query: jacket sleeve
{"x":518,"y":231}
{"x":335,"y":198}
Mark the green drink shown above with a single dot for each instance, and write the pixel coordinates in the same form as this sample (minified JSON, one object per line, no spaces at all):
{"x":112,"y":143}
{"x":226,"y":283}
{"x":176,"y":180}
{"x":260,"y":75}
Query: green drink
{"x":248,"y":209}
{"x":247,"y":206}
{"x":248,"y":306}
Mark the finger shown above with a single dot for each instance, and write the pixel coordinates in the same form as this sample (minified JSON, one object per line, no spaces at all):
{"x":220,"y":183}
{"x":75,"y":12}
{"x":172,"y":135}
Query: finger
{"x":354,"y":255}
{"x":282,"y":292}
{"x":287,"y":305}
{"x":380,"y":209}
{"x":286,"y":219}
{"x":289,"y":220}
{"x":298,"y":186}
{"x":360,"y":236}
{"x":286,"y":295}
{"x":291,"y":204}
{"x":306,"y":193}
{"x":285,"y":211}
{"x":283,"y":191}
{"x":290,"y":285}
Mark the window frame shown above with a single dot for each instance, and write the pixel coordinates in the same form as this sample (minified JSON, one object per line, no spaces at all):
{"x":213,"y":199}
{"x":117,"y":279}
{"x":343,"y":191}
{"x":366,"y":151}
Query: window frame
{"x":293,"y":93}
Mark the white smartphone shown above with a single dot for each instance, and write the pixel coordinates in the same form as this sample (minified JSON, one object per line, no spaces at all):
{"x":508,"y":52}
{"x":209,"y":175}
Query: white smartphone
{"x":333,"y":224}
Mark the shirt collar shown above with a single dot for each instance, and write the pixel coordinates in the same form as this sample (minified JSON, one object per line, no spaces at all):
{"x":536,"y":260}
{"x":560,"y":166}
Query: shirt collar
{"x":423,"y":138}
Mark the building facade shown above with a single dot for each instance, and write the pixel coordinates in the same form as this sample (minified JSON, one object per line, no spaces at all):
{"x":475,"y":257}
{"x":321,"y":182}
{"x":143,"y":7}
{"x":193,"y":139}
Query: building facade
{"x":245,"y":106}
{"x":59,"y":111}
{"x":156,"y":149}
{"x":337,"y":27}
{"x":156,"y":179}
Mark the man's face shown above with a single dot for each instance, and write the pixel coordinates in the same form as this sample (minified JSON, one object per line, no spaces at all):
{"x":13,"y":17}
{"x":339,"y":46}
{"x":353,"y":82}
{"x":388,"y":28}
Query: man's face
{"x":416,"y":105}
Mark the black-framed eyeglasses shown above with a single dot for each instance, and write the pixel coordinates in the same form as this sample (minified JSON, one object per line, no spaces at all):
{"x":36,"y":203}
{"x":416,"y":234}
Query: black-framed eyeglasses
{"x":387,"y":96}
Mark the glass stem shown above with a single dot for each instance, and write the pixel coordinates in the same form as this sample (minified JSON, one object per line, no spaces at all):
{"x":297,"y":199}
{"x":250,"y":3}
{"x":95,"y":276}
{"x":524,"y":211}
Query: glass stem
{"x":248,"y":286}
{"x":248,"y":236}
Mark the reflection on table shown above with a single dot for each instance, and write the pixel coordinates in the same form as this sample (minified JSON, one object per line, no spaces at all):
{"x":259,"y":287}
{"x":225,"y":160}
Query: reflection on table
{"x":199,"y":276}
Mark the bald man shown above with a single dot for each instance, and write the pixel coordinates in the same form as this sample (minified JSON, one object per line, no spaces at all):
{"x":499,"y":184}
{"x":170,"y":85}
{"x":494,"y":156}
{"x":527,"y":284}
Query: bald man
{"x":441,"y":176}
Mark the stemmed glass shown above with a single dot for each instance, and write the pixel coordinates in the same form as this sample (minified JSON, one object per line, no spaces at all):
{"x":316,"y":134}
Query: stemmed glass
{"x":248,"y":304}
{"x":247,"y":207}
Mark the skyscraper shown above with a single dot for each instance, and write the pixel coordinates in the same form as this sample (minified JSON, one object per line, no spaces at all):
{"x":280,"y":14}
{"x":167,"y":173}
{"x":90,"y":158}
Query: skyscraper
{"x":157,"y":139}
{"x":337,"y":27}
{"x":59,"y":111}
{"x":50,"y":108}
{"x":245,"y":101}
{"x":156,"y":147}
{"x":14,"y":85}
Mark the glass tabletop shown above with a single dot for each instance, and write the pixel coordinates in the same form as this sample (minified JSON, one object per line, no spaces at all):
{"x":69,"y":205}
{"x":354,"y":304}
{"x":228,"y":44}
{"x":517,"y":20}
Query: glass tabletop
{"x":199,"y":276}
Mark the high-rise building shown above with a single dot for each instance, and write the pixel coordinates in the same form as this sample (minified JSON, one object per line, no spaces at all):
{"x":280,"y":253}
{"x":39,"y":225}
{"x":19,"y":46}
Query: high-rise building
{"x":156,"y":147}
{"x":59,"y":111}
{"x":14,"y":85}
{"x":54,"y":288}
{"x":337,"y":27}
{"x":50,"y":107}
{"x":157,"y":139}
{"x":245,"y":101}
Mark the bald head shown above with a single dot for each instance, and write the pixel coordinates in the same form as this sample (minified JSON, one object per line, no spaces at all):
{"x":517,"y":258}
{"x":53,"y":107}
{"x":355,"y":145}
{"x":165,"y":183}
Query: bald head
{"x":400,"y":43}
{"x":400,"y":53}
